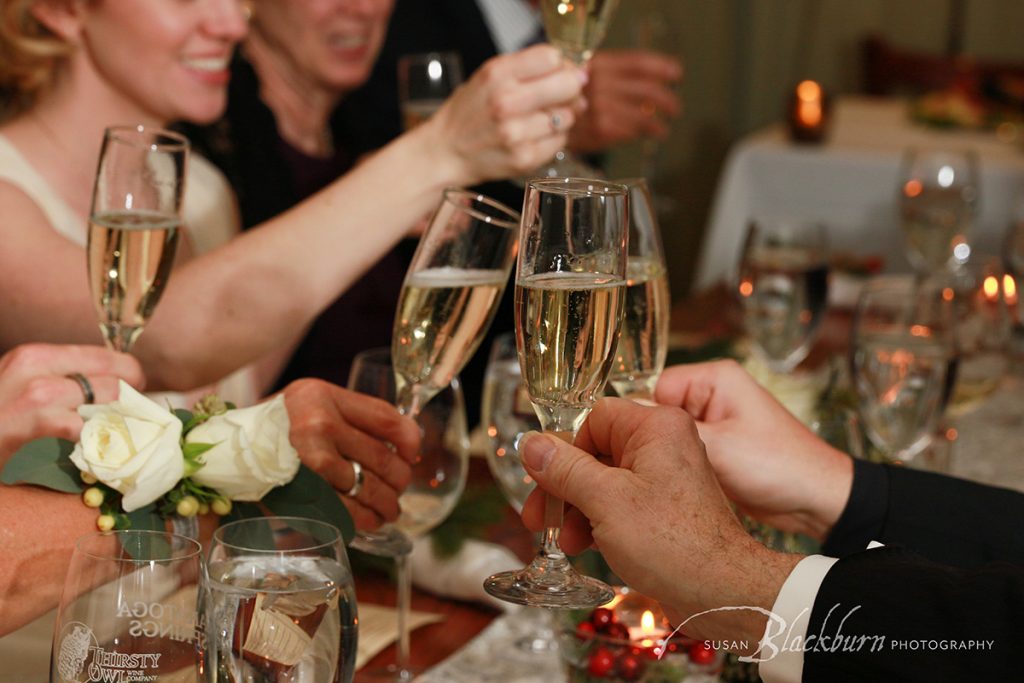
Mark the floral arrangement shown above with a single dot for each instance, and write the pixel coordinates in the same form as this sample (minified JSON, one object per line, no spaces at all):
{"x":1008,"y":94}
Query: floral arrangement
{"x":139,"y":463}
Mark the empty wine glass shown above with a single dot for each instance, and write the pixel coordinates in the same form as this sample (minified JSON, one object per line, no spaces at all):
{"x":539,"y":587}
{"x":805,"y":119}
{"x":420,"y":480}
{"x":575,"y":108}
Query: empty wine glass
{"x":424,"y":82}
{"x":570,"y":289}
{"x":643,"y":341}
{"x":902,"y":353}
{"x":783,"y":286}
{"x":133,"y":226}
{"x":128,"y":610}
{"x":938,"y":199}
{"x":980,"y":292}
{"x":279,"y":603}
{"x":438,"y":477}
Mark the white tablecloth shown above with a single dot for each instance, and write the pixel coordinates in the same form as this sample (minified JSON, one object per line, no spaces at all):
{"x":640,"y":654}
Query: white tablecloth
{"x":849,"y":183}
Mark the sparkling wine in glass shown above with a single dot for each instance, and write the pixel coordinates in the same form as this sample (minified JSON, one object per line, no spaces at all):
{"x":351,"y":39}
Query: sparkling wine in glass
{"x":279,"y":603}
{"x":938,"y":199}
{"x":570,"y":290}
{"x":438,"y":477}
{"x":133,"y":227}
{"x":577,"y":29}
{"x":643,"y":342}
{"x":128,"y":610}
{"x":783,"y":286}
{"x":450,"y":294}
{"x":902,"y":360}
{"x":424,"y":83}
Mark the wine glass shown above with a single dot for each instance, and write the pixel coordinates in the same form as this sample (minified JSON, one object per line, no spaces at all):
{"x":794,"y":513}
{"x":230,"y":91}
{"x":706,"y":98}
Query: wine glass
{"x":279,"y":603}
{"x":980,"y":294}
{"x":576,"y":28}
{"x":902,"y":361}
{"x":450,"y":293}
{"x":133,"y":226}
{"x":424,"y":82}
{"x":438,"y":477}
{"x":128,"y":610}
{"x":643,"y":342}
{"x":783,"y":286}
{"x":938,"y":199}
{"x":507,"y":414}
{"x":570,"y":289}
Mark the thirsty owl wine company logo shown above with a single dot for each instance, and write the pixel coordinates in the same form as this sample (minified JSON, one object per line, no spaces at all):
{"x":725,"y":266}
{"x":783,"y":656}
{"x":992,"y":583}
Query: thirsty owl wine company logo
{"x":80,"y":659}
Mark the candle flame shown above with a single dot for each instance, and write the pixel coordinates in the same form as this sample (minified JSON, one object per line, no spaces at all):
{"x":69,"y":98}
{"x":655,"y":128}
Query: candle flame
{"x":991,"y":287}
{"x":1010,"y":285}
{"x":808,"y":91}
{"x":647,"y":621}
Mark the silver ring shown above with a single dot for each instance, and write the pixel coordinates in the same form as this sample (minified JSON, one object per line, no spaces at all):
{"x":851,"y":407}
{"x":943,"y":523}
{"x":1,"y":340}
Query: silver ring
{"x":85,"y":386}
{"x":556,"y":122}
{"x":357,"y":471}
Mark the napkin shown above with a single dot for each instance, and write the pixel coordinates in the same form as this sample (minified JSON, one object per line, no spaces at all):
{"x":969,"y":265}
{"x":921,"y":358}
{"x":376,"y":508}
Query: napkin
{"x":462,"y":575}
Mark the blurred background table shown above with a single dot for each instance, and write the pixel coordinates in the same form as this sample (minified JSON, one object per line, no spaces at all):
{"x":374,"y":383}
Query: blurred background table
{"x":849,"y":183}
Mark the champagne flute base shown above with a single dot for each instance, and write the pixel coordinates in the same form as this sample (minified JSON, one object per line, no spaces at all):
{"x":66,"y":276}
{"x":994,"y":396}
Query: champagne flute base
{"x":550,"y":583}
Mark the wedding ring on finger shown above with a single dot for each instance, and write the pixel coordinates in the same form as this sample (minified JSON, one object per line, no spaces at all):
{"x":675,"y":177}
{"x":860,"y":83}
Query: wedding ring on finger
{"x":357,"y":472}
{"x":84,"y":385}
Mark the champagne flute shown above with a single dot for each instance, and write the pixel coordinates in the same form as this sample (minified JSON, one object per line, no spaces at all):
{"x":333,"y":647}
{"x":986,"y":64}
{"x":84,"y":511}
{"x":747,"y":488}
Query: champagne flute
{"x":938,"y":200}
{"x":133,"y":226}
{"x":279,"y":603}
{"x":643,"y":342}
{"x":902,"y":361}
{"x":424,"y":82}
{"x":438,"y":477}
{"x":128,"y":610}
{"x":576,"y":28}
{"x":570,"y":289}
{"x":784,"y":288}
{"x":450,"y":294}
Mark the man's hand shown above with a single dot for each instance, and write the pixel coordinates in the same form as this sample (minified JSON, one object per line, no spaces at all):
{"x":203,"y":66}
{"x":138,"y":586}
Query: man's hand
{"x":331,"y":426}
{"x":652,"y":505}
{"x":631,"y":94}
{"x":767,"y":461}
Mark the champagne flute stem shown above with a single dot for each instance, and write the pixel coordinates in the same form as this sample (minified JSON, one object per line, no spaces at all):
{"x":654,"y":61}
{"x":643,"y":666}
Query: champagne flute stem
{"x":554,"y":510}
{"x":404,"y":570}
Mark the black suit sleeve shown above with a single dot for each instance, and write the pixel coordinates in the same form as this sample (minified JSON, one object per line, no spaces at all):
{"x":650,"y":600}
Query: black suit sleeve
{"x":889,"y":615}
{"x":945,"y":519}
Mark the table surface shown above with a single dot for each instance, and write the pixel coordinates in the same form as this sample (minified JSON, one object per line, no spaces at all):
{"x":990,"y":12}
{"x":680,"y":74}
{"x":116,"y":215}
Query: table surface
{"x":849,"y":183}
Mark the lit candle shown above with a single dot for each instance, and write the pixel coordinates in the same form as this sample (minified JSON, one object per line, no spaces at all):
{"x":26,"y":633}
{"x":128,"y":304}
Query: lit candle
{"x":808,"y":113}
{"x":647,"y":633}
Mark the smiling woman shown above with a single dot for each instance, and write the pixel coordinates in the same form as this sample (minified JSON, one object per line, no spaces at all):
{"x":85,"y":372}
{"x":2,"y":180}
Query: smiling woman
{"x":74,"y":68}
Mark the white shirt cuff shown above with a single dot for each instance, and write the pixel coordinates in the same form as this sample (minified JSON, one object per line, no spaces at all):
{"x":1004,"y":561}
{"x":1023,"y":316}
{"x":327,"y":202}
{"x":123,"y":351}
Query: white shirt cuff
{"x":791,"y":614}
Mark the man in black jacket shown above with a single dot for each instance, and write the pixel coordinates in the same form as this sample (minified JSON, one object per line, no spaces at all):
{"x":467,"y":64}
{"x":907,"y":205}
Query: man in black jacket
{"x":942,"y":600}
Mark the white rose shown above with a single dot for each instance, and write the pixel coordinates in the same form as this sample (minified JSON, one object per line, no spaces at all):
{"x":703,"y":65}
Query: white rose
{"x":131,"y":445}
{"x":252,"y":453}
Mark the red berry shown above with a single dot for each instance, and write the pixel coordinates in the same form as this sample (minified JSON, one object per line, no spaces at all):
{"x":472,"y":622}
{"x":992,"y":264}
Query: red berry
{"x":601,"y":618}
{"x":630,"y":667}
{"x":601,"y":662}
{"x":585,"y":630}
{"x":616,"y":631}
{"x":701,"y":655}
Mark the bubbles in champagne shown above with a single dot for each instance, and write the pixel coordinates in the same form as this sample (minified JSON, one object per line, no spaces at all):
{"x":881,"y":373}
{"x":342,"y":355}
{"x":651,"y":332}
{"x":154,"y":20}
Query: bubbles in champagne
{"x":643,"y":341}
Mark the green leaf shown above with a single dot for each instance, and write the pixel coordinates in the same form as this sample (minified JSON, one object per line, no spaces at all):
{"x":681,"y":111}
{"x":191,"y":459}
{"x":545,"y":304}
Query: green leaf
{"x":192,"y":451}
{"x":44,"y":462}
{"x":183,"y":415}
{"x":308,"y":495}
{"x":145,"y":519}
{"x":253,"y":536}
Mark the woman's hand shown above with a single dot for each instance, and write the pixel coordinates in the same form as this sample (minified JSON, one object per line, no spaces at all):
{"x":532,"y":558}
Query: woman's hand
{"x":512,"y":116}
{"x":332,"y":427}
{"x":37,"y":398}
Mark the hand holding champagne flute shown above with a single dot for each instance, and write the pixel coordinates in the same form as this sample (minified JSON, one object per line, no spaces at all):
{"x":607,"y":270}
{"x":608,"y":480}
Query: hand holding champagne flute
{"x":570,"y":288}
{"x":133,"y":226}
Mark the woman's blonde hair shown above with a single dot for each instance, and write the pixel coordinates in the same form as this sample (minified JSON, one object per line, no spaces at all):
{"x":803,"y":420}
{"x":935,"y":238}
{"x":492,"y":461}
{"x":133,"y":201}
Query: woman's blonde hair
{"x":30,"y":55}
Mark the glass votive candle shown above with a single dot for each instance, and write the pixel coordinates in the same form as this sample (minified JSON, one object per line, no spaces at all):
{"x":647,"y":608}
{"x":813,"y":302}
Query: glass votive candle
{"x":630,"y":639}
{"x":808,"y":112}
